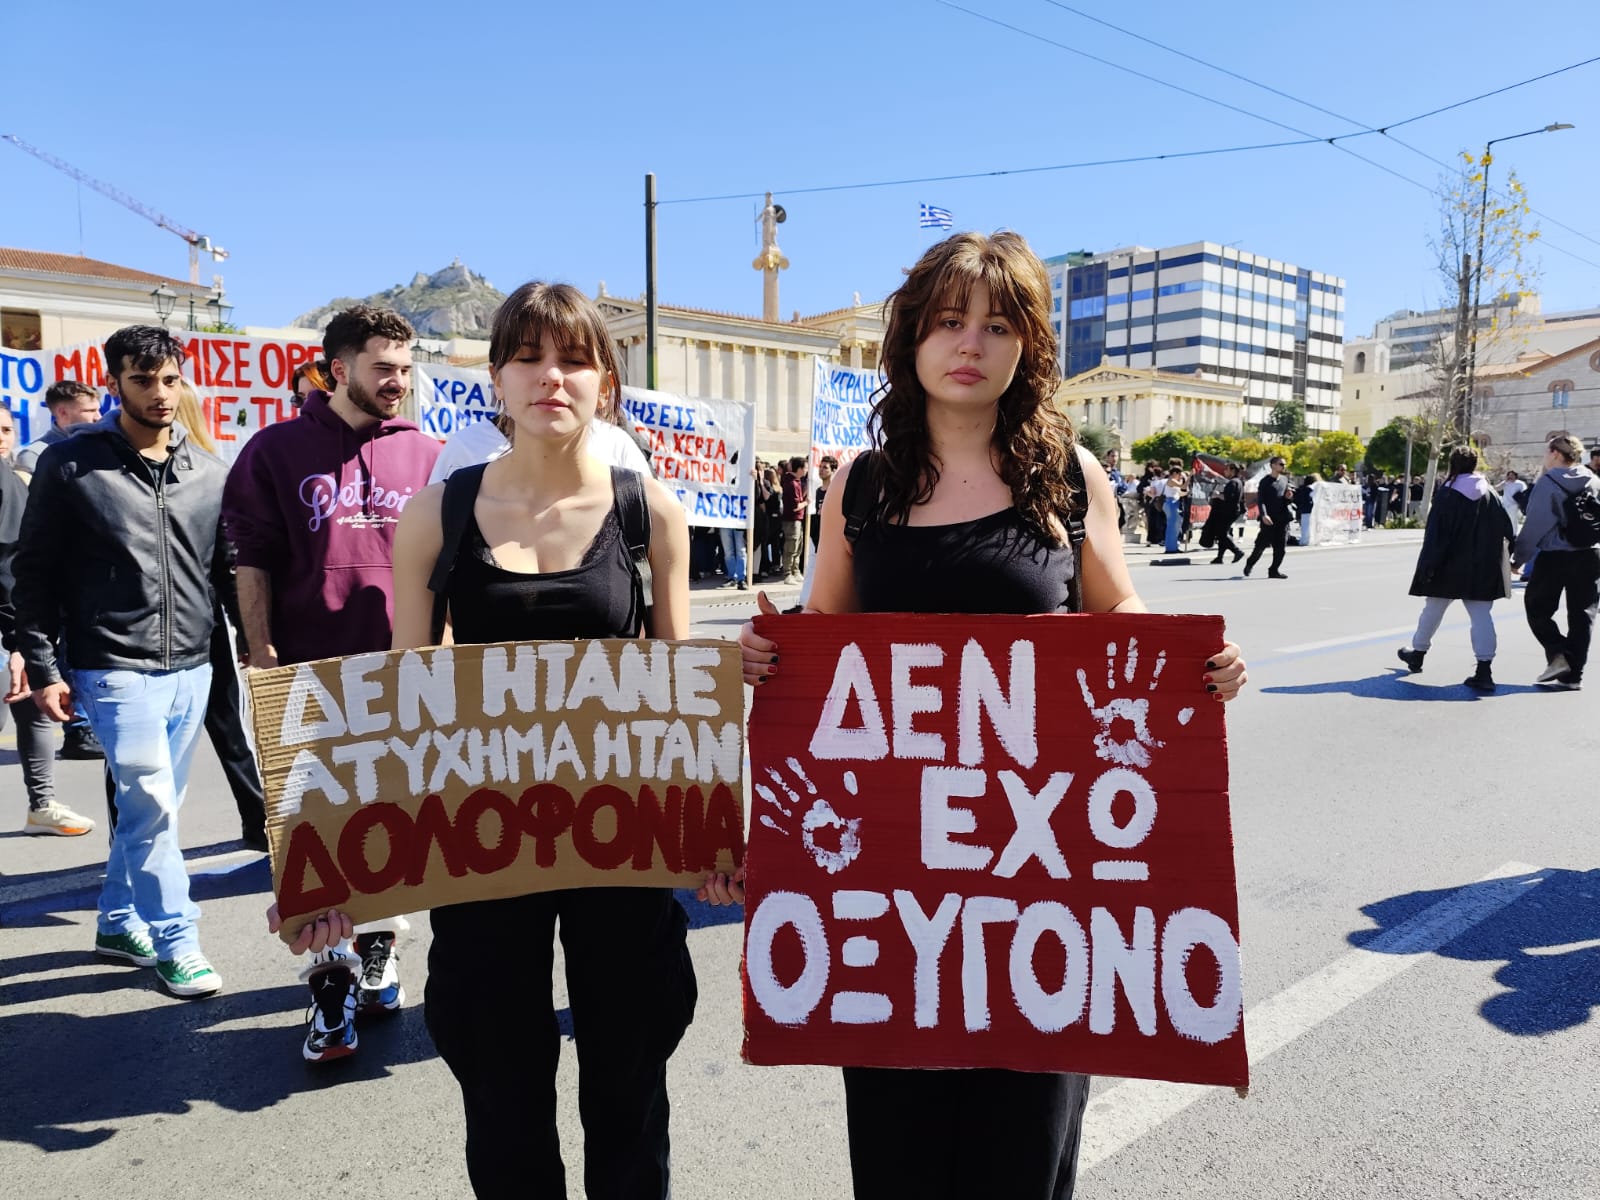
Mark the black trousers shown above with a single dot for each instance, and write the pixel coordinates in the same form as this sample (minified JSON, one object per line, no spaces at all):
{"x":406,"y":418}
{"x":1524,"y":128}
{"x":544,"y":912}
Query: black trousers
{"x":962,"y":1134}
{"x":1272,"y":535}
{"x":36,"y":748}
{"x":1574,"y":574}
{"x":225,"y":728}
{"x":489,"y":1009}
{"x":1225,"y":541}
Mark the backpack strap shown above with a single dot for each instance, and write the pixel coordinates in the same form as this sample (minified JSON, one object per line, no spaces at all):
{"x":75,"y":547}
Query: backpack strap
{"x":860,"y":494}
{"x":455,"y":513}
{"x":1077,"y":527}
{"x":633,"y":511}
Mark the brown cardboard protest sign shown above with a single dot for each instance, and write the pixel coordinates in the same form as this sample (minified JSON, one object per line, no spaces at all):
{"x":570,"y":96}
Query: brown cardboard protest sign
{"x":404,"y":780}
{"x":996,"y":842}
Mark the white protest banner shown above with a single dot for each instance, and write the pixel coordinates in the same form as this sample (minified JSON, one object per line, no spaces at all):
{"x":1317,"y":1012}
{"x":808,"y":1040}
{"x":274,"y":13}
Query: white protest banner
{"x":451,"y":398}
{"x":243,"y":382}
{"x":1335,"y":514}
{"x":702,"y":449}
{"x":841,"y":409}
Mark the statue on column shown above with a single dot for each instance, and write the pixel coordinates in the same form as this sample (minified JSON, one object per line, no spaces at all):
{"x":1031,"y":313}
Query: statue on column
{"x":771,"y":260}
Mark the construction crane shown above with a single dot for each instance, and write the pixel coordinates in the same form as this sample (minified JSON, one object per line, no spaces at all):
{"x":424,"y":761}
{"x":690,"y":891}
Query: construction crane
{"x":198,"y":243}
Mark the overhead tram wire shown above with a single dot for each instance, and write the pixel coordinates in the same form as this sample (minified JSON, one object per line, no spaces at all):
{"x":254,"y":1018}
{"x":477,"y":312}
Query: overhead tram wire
{"x":1156,"y":79}
{"x":1383,"y":130}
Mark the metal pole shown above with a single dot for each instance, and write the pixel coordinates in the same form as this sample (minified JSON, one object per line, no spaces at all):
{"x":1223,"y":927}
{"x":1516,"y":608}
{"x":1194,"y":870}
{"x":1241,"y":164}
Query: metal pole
{"x":1477,"y":296}
{"x":651,"y":317}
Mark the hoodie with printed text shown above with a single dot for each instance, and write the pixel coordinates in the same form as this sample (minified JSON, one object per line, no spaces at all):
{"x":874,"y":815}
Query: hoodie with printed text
{"x":314,"y":503}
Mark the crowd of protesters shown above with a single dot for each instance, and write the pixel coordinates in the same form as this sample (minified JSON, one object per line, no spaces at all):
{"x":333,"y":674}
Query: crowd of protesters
{"x":346,"y":530}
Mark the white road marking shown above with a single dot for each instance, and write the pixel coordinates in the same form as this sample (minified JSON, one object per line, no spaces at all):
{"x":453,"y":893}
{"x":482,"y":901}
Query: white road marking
{"x":1352,"y":640}
{"x":1128,"y":1111}
{"x":214,"y":864}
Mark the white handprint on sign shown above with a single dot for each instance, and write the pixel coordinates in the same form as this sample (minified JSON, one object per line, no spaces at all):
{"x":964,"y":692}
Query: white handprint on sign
{"x":1133,"y":750}
{"x":816,"y":819}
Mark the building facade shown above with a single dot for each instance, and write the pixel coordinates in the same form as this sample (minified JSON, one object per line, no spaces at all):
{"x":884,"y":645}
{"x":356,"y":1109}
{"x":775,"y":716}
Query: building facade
{"x":1215,"y":312}
{"x":1520,"y":406}
{"x":732,"y":357}
{"x":1136,"y":402}
{"x":58,"y":299}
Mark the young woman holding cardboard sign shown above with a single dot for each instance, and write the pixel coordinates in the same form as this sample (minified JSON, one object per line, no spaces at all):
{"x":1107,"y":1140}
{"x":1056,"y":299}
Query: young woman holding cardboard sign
{"x":544,"y":553}
{"x":972,"y":502}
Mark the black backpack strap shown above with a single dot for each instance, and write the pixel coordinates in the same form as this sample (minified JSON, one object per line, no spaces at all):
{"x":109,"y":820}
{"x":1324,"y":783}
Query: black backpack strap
{"x":455,"y":513}
{"x":860,"y":494}
{"x":633,"y":511}
{"x":1077,"y":527}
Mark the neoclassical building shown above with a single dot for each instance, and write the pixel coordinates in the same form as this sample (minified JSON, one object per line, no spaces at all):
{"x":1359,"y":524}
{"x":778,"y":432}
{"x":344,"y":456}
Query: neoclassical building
{"x":1135,"y":402}
{"x":700,"y":352}
{"x":57,"y":299}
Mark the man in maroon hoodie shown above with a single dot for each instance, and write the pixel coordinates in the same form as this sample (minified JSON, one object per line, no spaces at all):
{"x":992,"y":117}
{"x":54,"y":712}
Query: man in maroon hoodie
{"x":312,"y":507}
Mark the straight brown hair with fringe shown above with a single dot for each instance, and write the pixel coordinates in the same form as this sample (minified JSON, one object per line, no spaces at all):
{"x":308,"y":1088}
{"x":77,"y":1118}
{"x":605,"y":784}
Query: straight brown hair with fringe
{"x":563,"y":314}
{"x":1034,"y":438}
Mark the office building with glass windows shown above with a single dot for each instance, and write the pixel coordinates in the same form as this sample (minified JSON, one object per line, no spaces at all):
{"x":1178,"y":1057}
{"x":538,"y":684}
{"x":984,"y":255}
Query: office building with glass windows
{"x":1207,"y":310}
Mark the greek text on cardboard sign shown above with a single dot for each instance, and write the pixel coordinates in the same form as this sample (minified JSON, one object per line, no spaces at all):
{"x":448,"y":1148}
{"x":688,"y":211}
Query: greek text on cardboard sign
{"x":1000,"y":844}
{"x":404,"y":780}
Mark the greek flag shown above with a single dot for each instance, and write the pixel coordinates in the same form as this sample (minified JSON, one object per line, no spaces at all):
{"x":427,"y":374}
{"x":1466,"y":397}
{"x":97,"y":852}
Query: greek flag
{"x":930,"y":217}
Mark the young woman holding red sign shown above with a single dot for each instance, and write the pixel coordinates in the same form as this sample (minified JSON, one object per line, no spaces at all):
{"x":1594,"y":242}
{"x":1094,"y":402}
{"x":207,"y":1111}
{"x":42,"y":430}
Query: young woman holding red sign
{"x":541,"y":551}
{"x":975,"y":487}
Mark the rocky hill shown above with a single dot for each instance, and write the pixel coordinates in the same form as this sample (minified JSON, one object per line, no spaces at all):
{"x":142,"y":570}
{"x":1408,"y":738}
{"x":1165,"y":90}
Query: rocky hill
{"x":449,"y":303}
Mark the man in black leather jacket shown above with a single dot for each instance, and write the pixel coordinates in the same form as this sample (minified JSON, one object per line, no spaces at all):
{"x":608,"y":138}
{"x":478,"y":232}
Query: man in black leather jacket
{"x":120,"y":554}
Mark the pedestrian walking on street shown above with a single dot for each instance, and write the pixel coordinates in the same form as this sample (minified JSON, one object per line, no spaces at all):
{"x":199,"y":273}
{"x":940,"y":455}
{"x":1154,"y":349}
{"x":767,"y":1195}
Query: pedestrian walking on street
{"x":1566,"y":560}
{"x":1226,"y":505}
{"x":1465,"y":557}
{"x":1272,"y":507}
{"x":1305,"y":498}
{"x":140,"y":506}
{"x":967,"y":505}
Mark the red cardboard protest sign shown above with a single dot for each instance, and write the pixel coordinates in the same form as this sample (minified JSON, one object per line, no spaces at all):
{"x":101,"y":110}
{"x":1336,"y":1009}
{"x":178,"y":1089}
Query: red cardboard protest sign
{"x":995,"y":842}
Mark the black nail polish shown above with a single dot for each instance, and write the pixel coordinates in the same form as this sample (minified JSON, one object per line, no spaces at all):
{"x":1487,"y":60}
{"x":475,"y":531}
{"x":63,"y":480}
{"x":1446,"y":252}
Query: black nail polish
{"x":1211,"y":666}
{"x":774,"y":660}
{"x":1211,"y":687}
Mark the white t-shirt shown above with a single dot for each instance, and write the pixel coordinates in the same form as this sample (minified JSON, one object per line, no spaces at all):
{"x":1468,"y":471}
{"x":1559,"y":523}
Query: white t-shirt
{"x":481,"y":442}
{"x":1509,"y":491}
{"x":1173,"y":491}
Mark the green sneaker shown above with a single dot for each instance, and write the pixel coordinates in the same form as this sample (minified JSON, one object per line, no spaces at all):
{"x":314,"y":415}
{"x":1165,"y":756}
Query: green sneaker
{"x":129,"y":947}
{"x":189,"y":975}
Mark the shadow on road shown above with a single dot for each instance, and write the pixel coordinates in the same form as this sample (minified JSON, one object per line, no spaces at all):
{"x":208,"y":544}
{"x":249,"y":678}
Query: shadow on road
{"x":1397,"y":684}
{"x":68,"y":1070}
{"x":1548,"y":938}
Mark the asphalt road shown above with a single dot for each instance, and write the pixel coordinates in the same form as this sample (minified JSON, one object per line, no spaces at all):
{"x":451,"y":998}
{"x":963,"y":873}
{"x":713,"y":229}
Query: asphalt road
{"x":1421,"y":928}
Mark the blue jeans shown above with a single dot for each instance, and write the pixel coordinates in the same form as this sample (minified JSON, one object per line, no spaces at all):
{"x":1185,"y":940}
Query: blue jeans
{"x":149,"y":723}
{"x":733,"y":552}
{"x":1174,"y":524}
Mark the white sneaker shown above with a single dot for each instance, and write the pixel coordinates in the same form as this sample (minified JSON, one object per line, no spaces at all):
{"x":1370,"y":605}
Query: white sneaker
{"x":1558,"y":666}
{"x":57,"y":819}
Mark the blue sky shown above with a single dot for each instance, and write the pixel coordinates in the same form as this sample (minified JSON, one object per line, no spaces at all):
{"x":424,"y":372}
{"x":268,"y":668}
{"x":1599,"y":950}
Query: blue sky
{"x":337,"y":152}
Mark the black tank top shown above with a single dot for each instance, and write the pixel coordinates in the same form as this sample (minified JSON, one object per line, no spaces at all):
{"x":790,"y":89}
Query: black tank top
{"x":995,"y":564}
{"x":595,"y":599}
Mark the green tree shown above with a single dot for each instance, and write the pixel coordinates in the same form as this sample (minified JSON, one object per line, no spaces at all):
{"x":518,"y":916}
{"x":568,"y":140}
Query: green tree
{"x":1338,"y":448}
{"x":1288,"y":421}
{"x":1251,"y":450}
{"x":1219,"y":444}
{"x":1305,"y":456}
{"x":1096,"y":439}
{"x":1175,"y":443}
{"x":1387,"y":449}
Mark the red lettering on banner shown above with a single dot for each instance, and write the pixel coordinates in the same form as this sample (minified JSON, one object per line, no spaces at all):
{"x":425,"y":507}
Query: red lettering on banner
{"x":220,"y":405}
{"x":274,"y":365}
{"x":241,"y":360}
{"x":957,"y":863}
{"x":433,"y":828}
{"x":222,"y":374}
{"x":263,"y":403}
{"x":86,"y":366}
{"x":300,"y":354}
{"x":306,"y":853}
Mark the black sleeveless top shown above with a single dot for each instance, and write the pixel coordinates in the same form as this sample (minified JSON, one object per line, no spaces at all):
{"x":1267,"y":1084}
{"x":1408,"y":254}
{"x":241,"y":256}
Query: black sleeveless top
{"x":595,"y":599}
{"x":995,"y":564}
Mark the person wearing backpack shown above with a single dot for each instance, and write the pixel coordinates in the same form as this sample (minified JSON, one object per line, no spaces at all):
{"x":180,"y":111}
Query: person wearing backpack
{"x":546,"y":542}
{"x":1563,"y":530}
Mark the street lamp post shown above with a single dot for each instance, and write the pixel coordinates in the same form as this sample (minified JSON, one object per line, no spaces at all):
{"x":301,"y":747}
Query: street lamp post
{"x":1477,"y":270}
{"x":221,"y":310}
{"x":164,"y":298}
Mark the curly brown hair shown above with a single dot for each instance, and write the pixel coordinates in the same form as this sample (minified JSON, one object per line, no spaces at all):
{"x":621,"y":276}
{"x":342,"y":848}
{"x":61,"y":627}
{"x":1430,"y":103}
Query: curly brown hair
{"x":1033,"y":436}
